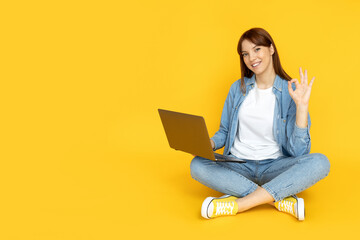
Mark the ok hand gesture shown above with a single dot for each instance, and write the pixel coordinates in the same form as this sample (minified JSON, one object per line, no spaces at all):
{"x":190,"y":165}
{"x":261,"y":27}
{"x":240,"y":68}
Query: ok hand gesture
{"x":301,"y":95}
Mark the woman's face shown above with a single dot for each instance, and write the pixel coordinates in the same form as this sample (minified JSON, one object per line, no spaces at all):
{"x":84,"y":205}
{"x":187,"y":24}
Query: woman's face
{"x":257,"y":58}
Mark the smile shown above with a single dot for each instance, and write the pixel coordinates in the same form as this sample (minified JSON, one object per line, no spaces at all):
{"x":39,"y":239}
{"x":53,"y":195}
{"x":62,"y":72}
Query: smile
{"x":256,"y":64}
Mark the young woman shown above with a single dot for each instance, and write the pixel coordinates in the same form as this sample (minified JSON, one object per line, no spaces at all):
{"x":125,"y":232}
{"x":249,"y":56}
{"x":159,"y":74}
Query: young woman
{"x":265,"y":121}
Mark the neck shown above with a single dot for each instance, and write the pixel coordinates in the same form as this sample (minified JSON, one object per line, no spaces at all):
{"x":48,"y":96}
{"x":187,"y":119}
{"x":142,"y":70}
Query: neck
{"x":266,"y":79}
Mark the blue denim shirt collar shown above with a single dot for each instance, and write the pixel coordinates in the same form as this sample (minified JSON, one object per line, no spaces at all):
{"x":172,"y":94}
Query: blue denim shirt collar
{"x":277,"y":83}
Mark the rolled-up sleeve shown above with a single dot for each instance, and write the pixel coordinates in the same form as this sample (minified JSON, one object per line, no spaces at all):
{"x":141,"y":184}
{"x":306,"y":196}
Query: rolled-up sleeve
{"x":299,"y":141}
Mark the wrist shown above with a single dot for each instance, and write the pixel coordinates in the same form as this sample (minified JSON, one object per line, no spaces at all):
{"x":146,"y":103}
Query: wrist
{"x":302,"y":107}
{"x":302,"y":116}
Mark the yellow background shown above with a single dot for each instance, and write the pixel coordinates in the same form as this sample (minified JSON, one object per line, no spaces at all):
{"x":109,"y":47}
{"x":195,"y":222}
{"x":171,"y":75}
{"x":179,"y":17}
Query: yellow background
{"x":83,"y":151}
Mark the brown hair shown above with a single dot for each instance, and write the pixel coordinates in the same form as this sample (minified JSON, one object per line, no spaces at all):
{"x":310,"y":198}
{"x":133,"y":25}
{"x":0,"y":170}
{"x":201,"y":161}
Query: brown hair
{"x":259,"y":37}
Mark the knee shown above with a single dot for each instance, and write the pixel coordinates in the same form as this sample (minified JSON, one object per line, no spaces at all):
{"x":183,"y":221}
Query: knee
{"x":322,"y":163}
{"x":197,"y":167}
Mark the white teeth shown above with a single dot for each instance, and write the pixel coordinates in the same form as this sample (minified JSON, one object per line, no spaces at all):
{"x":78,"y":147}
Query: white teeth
{"x":255,"y":64}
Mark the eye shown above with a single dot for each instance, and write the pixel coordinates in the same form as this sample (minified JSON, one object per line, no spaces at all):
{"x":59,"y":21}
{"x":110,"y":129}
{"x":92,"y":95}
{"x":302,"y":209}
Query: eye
{"x":244,"y":54}
{"x":257,"y":49}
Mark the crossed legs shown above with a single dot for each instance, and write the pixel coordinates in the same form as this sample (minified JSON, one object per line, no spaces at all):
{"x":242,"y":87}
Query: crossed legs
{"x":277,"y":178}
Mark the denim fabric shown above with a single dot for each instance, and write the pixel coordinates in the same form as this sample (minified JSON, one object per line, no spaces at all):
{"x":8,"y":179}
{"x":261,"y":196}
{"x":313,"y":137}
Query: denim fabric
{"x":293,"y":141}
{"x":281,"y":177}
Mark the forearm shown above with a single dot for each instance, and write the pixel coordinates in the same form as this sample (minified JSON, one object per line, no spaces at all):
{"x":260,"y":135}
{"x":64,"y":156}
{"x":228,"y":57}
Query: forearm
{"x":302,"y":116}
{"x":298,"y":130}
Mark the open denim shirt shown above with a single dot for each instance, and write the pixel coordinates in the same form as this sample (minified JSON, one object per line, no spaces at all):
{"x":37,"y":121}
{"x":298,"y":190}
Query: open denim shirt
{"x":293,"y":140}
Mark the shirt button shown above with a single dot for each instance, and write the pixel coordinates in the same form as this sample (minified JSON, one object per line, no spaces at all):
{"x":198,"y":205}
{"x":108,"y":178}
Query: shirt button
{"x":284,"y":120}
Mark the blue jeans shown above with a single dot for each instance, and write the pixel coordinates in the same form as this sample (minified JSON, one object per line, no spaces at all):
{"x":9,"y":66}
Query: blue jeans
{"x":280,"y":177}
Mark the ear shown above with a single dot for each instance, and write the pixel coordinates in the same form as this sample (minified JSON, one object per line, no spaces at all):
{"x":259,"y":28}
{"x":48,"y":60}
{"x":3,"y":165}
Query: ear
{"x":272,"y":51}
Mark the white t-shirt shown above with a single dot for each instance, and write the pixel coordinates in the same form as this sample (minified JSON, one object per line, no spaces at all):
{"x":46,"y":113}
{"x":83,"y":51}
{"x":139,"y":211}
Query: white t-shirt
{"x":255,"y":139}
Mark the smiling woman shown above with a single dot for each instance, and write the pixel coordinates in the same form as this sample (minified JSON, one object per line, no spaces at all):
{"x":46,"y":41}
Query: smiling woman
{"x":265,"y":121}
{"x":257,"y":46}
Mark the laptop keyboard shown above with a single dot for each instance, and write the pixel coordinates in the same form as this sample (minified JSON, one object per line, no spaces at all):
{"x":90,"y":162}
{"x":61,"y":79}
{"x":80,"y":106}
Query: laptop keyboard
{"x":219,"y":156}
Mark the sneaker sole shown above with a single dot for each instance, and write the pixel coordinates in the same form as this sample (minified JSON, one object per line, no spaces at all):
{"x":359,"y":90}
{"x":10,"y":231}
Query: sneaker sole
{"x":205,"y":206}
{"x":301,"y":209}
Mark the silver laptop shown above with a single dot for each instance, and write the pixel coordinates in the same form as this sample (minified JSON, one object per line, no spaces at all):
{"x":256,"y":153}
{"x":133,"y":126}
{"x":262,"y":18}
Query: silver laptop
{"x":188,"y":133}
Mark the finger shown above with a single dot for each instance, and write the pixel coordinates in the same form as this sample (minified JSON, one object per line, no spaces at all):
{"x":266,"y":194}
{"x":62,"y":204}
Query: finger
{"x":311,"y":82}
{"x":295,"y":81}
{"x":301,"y":74}
{"x":296,"y":84}
{"x":305,"y":78}
{"x":291,"y":91}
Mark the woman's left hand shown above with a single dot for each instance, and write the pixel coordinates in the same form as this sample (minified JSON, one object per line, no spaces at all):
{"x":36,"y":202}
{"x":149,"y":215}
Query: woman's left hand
{"x":301,"y":95}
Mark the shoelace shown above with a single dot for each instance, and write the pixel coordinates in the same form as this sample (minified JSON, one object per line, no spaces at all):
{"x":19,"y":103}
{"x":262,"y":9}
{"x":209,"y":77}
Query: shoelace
{"x":224,"y":208}
{"x":287,"y":206}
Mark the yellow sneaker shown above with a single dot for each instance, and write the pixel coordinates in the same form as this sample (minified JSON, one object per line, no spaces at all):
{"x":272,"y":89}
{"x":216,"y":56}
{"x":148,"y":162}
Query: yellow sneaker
{"x":222,"y":206}
{"x":293,"y":205}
